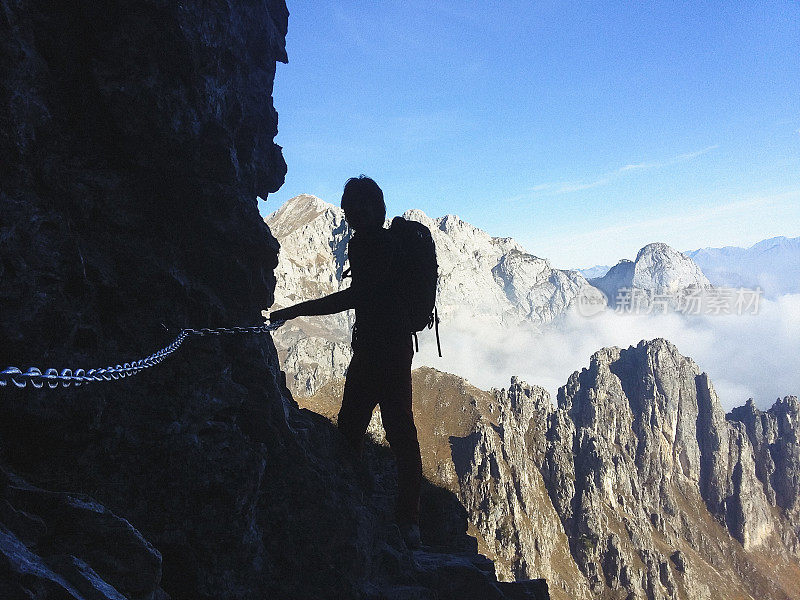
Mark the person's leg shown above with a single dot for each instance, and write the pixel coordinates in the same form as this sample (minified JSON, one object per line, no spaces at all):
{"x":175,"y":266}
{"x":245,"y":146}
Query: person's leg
{"x":398,"y":421}
{"x":358,"y":402}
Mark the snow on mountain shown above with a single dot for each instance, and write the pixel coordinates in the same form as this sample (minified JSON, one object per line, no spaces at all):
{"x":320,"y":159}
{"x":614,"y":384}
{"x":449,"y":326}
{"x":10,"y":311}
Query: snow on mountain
{"x":772,"y":264}
{"x":658,"y":271}
{"x":489,"y":279}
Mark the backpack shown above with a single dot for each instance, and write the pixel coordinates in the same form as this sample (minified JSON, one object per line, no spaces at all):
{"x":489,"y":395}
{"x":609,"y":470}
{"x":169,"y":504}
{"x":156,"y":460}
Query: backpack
{"x":417,"y":274}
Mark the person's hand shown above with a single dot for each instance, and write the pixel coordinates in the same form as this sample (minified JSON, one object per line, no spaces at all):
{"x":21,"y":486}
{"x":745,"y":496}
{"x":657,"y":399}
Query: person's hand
{"x":284,"y":314}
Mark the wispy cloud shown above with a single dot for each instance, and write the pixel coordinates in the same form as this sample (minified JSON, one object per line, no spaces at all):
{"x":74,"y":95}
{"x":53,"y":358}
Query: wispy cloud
{"x":687,"y":223}
{"x":704,"y":215}
{"x":567,"y":187}
{"x":666,"y":163}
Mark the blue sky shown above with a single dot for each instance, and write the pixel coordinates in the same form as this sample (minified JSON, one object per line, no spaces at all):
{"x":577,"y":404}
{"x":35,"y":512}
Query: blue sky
{"x":583,"y":130}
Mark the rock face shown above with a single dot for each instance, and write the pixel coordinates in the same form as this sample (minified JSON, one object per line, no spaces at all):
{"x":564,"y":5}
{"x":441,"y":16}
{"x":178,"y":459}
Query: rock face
{"x":481,"y":278}
{"x":650,"y":471}
{"x":773,"y":265}
{"x":313,"y":236}
{"x":636,"y":485}
{"x":484,"y":447}
{"x":135,"y":139}
{"x":66,"y":546}
{"x":660,"y":274}
{"x":775,"y":438}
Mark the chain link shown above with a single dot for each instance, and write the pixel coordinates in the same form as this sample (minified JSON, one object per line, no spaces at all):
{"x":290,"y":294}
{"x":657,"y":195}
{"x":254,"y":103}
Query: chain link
{"x":66,"y":377}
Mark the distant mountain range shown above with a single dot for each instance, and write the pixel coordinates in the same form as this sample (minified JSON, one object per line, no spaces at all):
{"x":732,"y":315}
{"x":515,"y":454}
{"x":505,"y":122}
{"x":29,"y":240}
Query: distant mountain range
{"x":772,"y":264}
{"x":595,"y":271}
{"x":492,"y":281}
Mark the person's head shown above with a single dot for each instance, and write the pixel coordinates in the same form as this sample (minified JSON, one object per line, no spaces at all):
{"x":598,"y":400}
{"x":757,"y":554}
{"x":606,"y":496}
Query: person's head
{"x":362,"y":202}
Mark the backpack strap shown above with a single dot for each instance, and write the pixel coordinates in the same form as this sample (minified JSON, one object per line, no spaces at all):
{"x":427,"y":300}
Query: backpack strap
{"x":436,"y":325}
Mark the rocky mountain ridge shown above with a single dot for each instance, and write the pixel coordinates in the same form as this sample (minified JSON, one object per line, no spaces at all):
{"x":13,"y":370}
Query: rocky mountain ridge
{"x":636,"y":485}
{"x":771,"y":264}
{"x":485,"y":279}
{"x":480,"y":275}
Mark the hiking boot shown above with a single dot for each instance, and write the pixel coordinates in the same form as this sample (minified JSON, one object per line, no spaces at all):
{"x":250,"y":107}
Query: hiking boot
{"x":410,"y":534}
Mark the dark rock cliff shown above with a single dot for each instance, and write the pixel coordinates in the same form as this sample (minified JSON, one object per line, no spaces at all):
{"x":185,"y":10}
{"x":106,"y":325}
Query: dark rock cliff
{"x":134,"y":139}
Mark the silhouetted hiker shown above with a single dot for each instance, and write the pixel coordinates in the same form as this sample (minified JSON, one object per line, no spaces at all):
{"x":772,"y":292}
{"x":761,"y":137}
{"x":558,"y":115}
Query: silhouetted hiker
{"x":380,"y":370}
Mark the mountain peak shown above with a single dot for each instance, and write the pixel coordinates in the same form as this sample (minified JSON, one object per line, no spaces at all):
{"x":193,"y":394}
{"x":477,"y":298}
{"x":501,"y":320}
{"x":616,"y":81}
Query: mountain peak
{"x":304,"y":202}
{"x":416,"y":214}
{"x":663,"y":269}
{"x":657,"y":248}
{"x":658,"y":269}
{"x":298,"y":212}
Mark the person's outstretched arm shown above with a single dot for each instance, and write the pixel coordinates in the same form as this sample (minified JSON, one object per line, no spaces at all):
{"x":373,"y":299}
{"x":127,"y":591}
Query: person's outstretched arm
{"x":327,"y":305}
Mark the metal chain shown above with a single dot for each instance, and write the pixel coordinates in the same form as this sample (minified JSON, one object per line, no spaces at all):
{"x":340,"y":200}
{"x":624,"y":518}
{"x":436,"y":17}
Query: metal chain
{"x":53,"y":378}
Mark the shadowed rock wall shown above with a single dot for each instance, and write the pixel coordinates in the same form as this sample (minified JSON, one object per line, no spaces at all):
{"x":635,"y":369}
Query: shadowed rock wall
{"x":134,"y":139}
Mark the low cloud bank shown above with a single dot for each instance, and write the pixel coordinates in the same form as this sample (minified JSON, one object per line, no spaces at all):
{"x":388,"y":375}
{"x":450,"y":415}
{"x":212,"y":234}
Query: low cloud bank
{"x":745,"y":355}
